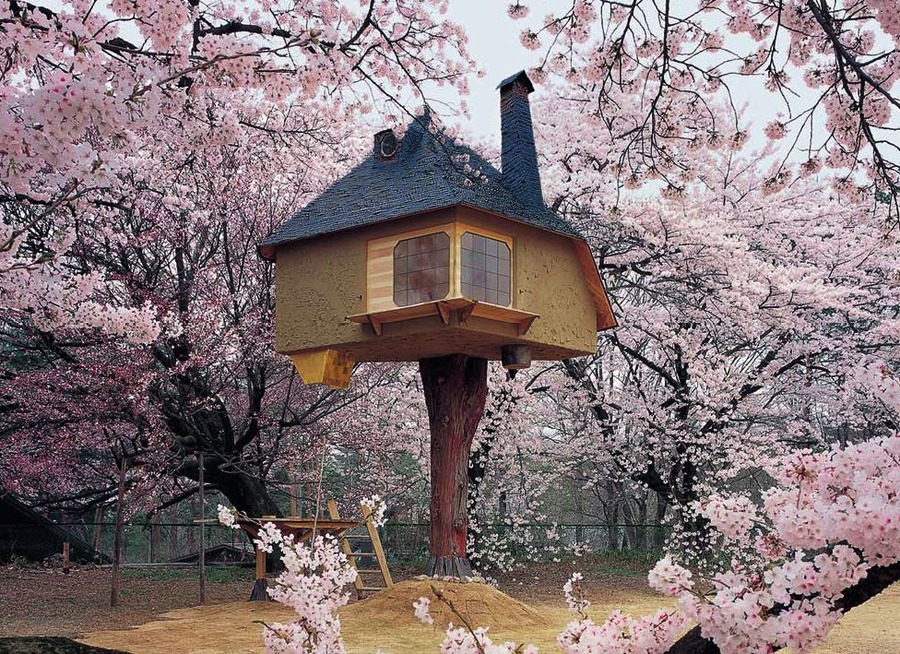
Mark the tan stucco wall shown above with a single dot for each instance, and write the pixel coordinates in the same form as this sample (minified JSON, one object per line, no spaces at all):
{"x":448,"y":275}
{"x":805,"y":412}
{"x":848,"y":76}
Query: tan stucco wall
{"x":547,"y":280}
{"x":322,"y":280}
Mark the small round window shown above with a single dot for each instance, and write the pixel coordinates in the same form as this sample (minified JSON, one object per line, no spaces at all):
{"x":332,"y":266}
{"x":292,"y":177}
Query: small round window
{"x":484,"y":275}
{"x":421,"y":269}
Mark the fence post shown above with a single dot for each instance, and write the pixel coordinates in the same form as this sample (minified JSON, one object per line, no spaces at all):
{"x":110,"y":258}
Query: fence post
{"x":117,"y":541}
{"x":202,"y":534}
{"x":98,"y":528}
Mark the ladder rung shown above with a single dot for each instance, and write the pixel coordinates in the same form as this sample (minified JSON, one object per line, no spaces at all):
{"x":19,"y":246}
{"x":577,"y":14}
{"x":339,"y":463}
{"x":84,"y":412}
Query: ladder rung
{"x":355,"y":536}
{"x":360,"y":553}
{"x":372,"y":571}
{"x":371,"y":588}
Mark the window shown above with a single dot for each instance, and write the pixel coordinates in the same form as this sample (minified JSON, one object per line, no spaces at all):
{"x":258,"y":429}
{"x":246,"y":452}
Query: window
{"x":485,"y":269}
{"x":421,"y":269}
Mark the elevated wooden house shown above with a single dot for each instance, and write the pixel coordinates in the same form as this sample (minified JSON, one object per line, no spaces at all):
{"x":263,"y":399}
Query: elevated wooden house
{"x":424,"y":250}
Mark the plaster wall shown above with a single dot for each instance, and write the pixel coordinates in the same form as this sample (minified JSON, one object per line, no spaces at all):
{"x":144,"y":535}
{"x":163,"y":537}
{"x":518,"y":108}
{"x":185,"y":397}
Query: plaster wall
{"x":322,"y":280}
{"x":547,"y":280}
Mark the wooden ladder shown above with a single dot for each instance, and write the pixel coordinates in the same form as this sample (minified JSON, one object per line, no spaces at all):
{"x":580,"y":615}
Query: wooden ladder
{"x":368,"y":546}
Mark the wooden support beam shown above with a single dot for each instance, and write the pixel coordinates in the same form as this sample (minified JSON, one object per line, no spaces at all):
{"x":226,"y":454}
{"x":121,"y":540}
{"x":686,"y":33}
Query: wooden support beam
{"x":464,"y":312}
{"x":325,"y":366}
{"x":334,"y":514}
{"x":464,"y":307}
{"x":444,"y":309}
{"x":259,"y":593}
{"x":525,"y":325}
{"x":376,"y":545}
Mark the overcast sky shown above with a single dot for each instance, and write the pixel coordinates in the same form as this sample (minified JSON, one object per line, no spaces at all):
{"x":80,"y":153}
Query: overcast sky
{"x":494,"y":44}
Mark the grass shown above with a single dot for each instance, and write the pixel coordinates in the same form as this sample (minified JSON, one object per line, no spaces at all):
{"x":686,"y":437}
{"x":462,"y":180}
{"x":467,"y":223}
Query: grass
{"x":214,"y":574}
{"x":619,"y":564}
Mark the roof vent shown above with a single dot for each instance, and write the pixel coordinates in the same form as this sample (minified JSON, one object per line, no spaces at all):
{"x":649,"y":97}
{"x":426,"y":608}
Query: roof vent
{"x":386,"y":145}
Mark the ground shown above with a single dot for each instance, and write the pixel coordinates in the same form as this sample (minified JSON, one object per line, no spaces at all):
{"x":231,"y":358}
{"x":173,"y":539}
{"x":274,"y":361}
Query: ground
{"x":162,"y":601}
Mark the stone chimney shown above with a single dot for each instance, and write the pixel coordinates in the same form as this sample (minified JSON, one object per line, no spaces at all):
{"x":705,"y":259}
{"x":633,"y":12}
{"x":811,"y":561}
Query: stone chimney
{"x":519,"y":157}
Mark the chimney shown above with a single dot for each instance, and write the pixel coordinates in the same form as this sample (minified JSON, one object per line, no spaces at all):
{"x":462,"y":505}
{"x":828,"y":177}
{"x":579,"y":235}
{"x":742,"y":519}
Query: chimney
{"x":519,"y":157}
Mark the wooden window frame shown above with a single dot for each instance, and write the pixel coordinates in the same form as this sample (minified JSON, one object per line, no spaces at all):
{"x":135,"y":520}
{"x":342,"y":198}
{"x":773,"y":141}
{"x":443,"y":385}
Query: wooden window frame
{"x":380,"y":263}
{"x":506,"y":274}
{"x":435,"y":265}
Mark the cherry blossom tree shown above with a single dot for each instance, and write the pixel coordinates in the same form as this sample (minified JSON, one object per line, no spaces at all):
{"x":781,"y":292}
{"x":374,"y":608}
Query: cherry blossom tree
{"x":664,"y":81}
{"x":145,"y":148}
{"x":210,"y":381}
{"x":87,"y":92}
{"x":70,"y":425}
{"x":744,"y":313}
{"x":826,"y":540}
{"x":743,"y":317}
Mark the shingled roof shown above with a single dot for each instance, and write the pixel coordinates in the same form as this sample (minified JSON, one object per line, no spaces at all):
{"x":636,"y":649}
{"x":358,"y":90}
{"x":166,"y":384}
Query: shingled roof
{"x":429,"y":172}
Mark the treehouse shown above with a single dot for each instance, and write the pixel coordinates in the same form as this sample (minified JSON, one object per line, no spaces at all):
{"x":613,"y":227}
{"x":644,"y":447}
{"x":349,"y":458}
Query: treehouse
{"x":425,"y":250}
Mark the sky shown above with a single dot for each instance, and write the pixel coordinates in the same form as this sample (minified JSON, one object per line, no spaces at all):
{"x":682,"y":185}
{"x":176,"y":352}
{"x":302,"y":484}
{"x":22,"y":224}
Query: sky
{"x":494,"y":44}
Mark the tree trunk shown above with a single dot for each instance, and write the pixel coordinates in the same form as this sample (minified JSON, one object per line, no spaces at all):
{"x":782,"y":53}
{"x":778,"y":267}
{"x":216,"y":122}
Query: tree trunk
{"x":455,"y":389}
{"x":154,"y":538}
{"x":502,"y":512}
{"x":202,"y":560}
{"x":98,"y":529}
{"x":611,"y":513}
{"x":659,"y":532}
{"x":578,"y":507}
{"x":248,"y":494}
{"x":117,"y":540}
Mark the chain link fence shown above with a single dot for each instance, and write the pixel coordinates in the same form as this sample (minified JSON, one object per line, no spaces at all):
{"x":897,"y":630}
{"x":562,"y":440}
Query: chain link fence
{"x":177,"y":543}
{"x":158,"y":543}
{"x":409,"y":541}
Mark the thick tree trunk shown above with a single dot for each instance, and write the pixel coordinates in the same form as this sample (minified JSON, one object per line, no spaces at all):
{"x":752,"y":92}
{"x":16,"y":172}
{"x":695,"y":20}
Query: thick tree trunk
{"x":878,"y":579}
{"x":248,"y":494}
{"x":455,"y":393}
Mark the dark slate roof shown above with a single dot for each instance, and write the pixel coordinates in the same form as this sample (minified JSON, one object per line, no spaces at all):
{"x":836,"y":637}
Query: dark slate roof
{"x":425,"y":175}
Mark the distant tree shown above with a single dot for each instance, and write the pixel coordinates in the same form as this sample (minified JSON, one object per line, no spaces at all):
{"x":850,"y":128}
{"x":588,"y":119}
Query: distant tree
{"x":210,"y":381}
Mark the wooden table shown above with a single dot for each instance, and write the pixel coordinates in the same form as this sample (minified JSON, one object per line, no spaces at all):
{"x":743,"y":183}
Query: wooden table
{"x":302,"y":529}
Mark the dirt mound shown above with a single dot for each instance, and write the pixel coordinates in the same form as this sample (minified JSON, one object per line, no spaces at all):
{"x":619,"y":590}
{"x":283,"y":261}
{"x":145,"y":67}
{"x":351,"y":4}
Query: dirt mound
{"x":480,"y":604}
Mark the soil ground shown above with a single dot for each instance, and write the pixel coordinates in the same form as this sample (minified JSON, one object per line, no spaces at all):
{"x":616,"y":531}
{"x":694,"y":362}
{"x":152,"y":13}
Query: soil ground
{"x":158,"y":612}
